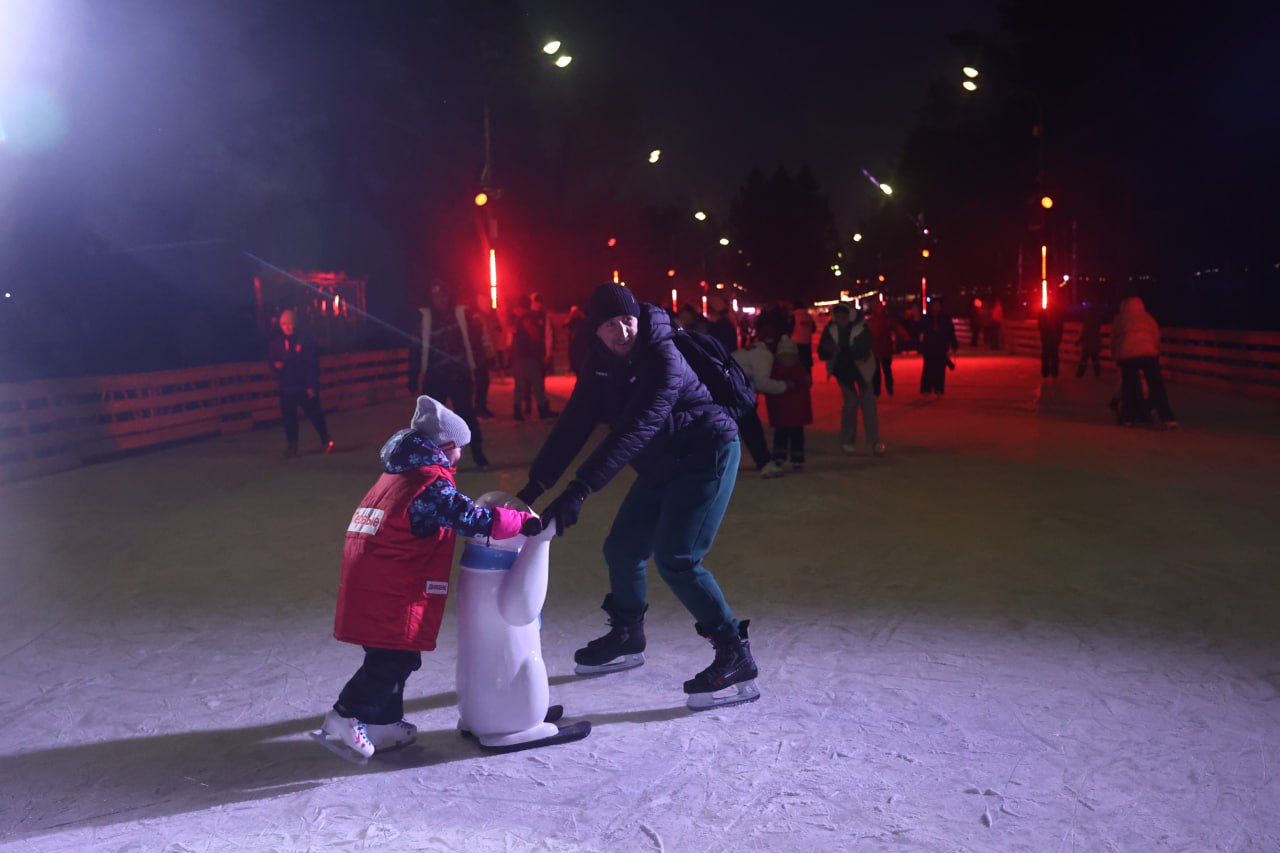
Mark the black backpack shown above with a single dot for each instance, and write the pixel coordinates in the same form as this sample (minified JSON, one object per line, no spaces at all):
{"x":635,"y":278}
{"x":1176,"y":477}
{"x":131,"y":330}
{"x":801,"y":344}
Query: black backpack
{"x":717,"y":369}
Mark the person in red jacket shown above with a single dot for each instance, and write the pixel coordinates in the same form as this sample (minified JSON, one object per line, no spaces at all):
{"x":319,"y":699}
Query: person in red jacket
{"x":792,"y":410}
{"x":396,"y":562}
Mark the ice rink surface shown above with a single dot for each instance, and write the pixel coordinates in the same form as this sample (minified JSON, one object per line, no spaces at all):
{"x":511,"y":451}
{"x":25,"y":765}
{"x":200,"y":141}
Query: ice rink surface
{"x":1024,"y":629}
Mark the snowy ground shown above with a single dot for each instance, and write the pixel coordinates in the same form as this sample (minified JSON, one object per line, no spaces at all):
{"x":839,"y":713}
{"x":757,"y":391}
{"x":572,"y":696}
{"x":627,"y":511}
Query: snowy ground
{"x":1025,"y":629}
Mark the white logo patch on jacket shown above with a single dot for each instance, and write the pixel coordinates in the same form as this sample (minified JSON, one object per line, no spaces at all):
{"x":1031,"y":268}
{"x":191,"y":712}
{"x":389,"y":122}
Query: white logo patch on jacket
{"x":366,"y":520}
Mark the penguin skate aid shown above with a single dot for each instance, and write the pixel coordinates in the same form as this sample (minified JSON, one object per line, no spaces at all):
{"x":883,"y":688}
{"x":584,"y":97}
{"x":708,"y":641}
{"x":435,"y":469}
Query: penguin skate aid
{"x":682,"y":441}
{"x":503,"y":692}
{"x":396,"y":563}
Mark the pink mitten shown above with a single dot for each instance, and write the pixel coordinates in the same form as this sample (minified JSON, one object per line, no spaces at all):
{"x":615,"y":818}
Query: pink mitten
{"x":511,"y":522}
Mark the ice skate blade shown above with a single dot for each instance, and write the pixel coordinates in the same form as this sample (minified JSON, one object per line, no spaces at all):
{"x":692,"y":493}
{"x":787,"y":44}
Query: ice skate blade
{"x":736,"y":694}
{"x":554,"y":713}
{"x":616,"y":665}
{"x":338,"y":748}
{"x":535,"y":737}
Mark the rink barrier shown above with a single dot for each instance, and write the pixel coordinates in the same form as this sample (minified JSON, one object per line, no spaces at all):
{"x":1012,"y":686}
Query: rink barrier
{"x":55,"y":424}
{"x":1237,"y":362}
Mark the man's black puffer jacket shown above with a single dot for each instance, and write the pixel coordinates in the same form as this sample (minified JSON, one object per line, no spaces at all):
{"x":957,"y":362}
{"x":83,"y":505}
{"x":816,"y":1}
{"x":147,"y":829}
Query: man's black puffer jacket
{"x":658,"y":412}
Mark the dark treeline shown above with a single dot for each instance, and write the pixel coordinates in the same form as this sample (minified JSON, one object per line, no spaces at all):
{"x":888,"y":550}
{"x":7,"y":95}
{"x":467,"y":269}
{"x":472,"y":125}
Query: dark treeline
{"x":1152,"y":128}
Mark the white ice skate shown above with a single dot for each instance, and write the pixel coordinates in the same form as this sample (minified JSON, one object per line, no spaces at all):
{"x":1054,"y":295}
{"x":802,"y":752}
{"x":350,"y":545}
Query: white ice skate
{"x":345,"y":737}
{"x":391,"y":736}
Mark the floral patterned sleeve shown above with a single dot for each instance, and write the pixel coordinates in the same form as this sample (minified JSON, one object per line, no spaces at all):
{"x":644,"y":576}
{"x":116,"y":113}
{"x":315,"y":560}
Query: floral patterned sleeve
{"x":442,"y":505}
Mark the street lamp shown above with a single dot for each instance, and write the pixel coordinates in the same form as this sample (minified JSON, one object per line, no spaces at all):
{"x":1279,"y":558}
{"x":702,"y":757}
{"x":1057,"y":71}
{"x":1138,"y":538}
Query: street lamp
{"x":700,"y":216}
{"x":488,"y":192}
{"x":654,"y":155}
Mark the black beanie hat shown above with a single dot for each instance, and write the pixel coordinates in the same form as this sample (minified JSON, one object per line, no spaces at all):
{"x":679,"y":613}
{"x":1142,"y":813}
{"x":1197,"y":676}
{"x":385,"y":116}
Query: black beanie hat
{"x":611,"y":300}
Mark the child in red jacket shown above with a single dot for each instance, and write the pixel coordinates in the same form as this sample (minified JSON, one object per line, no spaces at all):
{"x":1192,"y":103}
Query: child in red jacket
{"x":396,"y":562}
{"x":792,"y":410}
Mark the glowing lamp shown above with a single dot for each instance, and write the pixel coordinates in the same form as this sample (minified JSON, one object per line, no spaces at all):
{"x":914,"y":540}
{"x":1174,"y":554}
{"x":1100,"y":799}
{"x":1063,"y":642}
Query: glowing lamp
{"x":482,"y":199}
{"x":1046,"y":202}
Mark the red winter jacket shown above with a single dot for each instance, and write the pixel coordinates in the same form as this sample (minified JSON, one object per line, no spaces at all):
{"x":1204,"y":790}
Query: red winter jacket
{"x":795,"y":407}
{"x":394,"y":585}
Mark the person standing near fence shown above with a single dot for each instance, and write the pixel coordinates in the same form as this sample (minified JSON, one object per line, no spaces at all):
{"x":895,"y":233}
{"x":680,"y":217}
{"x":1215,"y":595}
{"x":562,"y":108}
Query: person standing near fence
{"x":1135,"y":346}
{"x":448,"y":361}
{"x":486,"y":352}
{"x":296,"y":365}
{"x":1090,"y":343}
{"x":530,"y":354}
{"x":1051,"y":324}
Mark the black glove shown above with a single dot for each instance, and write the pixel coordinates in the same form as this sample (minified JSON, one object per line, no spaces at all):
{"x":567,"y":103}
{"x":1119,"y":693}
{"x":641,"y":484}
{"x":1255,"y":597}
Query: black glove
{"x":532,"y":526}
{"x":530,"y":493}
{"x":564,"y":510}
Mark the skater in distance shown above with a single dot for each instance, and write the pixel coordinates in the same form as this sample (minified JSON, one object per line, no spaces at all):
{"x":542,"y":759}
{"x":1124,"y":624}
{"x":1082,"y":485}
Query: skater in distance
{"x":684,"y":448}
{"x":396,"y":561}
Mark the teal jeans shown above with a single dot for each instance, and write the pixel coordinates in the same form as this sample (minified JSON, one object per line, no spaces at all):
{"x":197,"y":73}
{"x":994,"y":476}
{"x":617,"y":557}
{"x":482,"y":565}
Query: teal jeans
{"x":675,"y":522}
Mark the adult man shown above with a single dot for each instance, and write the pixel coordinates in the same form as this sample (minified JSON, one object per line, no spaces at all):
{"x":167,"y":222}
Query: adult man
{"x":448,"y":361}
{"x":685,"y":451}
{"x":846,"y":348}
{"x":296,"y":364}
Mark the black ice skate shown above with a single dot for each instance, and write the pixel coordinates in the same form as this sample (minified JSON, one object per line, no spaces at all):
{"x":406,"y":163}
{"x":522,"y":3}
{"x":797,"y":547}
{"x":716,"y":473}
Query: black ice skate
{"x":731,"y":678}
{"x":621,"y":648}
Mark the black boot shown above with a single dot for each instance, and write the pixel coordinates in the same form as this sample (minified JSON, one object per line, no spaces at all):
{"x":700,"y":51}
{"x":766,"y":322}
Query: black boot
{"x":621,"y":648}
{"x":733,"y":667}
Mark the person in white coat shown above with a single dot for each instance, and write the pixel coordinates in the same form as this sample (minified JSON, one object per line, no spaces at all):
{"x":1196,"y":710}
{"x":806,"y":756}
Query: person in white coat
{"x":757,"y":362}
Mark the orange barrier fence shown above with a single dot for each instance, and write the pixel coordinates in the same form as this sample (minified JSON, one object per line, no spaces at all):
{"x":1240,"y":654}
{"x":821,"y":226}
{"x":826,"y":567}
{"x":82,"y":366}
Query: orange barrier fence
{"x":1246,"y":363}
{"x":55,"y":424}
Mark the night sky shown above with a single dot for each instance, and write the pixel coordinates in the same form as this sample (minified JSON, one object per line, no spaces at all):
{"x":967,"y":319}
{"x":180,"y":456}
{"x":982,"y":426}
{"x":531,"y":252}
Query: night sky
{"x":725,"y":87}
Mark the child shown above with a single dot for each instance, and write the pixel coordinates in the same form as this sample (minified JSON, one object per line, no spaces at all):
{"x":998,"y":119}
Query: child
{"x":395,"y":575}
{"x":791,"y":410}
